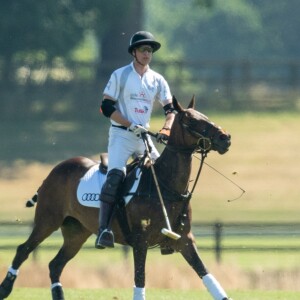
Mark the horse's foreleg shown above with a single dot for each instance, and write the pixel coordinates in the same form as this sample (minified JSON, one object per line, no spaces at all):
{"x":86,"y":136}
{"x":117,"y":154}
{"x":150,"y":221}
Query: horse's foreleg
{"x":139,"y":255}
{"x":190,"y":253}
{"x":36,"y":237}
{"x":74,"y":235}
{"x":7,"y":284}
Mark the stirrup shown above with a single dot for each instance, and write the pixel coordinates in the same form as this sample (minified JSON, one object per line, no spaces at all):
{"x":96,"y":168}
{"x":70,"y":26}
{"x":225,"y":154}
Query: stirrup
{"x":105,"y":239}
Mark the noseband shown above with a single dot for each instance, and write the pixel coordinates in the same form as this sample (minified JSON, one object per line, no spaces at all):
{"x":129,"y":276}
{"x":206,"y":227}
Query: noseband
{"x":203,"y":144}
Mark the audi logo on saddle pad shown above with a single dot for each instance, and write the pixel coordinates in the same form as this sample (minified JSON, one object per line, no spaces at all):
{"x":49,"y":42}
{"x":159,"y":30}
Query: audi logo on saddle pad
{"x":90,"y":197}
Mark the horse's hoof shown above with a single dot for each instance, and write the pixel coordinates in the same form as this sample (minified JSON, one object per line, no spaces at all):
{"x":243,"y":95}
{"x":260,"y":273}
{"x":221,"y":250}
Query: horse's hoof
{"x":57,"y":293}
{"x":105,"y":240}
{"x":7,"y":285}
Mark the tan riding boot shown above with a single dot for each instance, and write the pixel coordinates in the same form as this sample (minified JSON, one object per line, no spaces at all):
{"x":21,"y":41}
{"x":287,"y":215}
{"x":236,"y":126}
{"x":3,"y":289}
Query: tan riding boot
{"x":108,"y":197}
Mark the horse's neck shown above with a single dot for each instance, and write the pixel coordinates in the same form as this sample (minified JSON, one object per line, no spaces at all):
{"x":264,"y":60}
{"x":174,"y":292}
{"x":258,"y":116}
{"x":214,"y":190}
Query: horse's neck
{"x":174,"y":169}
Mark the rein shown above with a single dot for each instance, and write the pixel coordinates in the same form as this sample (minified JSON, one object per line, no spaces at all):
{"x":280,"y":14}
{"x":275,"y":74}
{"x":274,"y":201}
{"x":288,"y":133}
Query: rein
{"x":203,"y":156}
{"x":206,"y":142}
{"x":203,"y":153}
{"x":202,"y":146}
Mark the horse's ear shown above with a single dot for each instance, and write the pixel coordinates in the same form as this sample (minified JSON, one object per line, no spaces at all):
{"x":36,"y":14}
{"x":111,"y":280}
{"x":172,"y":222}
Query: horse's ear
{"x":192,"y":103}
{"x":176,"y":105}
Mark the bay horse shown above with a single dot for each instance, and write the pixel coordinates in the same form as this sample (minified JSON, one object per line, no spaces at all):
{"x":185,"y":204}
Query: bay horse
{"x":137,"y":224}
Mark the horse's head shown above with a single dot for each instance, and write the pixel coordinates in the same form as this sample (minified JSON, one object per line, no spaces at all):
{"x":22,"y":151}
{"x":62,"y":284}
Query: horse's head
{"x":193,"y":130}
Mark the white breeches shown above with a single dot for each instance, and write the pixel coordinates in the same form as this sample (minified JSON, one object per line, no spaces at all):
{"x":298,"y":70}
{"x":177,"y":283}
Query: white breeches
{"x":122,"y":145}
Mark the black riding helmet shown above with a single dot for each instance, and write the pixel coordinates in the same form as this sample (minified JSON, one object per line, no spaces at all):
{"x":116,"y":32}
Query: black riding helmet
{"x":143,"y":38}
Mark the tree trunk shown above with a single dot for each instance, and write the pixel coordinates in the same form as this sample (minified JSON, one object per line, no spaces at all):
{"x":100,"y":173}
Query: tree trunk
{"x":126,"y":19}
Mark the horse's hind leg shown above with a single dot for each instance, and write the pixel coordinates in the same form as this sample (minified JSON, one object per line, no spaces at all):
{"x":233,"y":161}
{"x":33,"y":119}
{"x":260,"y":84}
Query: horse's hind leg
{"x":39,"y":233}
{"x":189,"y":252}
{"x":74,"y":237}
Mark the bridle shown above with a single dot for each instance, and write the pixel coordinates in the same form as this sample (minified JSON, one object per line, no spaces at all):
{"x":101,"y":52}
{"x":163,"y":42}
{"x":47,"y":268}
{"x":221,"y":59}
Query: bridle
{"x":203,"y":145}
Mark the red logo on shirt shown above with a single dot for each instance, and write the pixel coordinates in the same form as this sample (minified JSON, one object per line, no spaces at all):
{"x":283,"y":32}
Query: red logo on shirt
{"x":142,"y":94}
{"x":141,"y":110}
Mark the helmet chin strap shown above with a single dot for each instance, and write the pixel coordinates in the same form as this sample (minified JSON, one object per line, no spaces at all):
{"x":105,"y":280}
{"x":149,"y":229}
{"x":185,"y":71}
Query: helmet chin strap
{"x":136,"y":59}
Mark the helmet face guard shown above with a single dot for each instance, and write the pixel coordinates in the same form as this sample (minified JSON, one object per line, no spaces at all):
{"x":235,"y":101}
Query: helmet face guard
{"x":143,"y":38}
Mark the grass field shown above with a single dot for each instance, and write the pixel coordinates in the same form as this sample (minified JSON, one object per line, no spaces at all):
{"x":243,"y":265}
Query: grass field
{"x":264,"y":160}
{"x":152,"y":294}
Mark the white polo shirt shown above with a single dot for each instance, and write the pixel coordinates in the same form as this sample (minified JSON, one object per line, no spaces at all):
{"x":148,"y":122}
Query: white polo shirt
{"x":135,"y":95}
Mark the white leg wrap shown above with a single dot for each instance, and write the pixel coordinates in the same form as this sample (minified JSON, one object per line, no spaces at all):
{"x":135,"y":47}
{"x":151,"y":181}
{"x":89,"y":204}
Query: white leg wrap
{"x":31,"y":202}
{"x":13,"y":271}
{"x":139,"y":293}
{"x":214,"y":287}
{"x":55,"y":285}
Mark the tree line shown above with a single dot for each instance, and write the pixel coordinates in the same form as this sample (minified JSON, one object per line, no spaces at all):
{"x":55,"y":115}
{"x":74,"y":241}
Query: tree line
{"x":91,"y":37}
{"x":188,"y":29}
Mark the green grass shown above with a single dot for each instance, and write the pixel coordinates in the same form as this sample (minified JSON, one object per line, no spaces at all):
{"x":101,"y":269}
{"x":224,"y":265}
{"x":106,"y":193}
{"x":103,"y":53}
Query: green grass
{"x":152,"y":294}
{"x":247,"y":260}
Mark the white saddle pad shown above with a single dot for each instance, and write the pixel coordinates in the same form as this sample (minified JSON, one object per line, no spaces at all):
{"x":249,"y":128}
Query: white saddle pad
{"x":88,"y":191}
{"x":89,"y":187}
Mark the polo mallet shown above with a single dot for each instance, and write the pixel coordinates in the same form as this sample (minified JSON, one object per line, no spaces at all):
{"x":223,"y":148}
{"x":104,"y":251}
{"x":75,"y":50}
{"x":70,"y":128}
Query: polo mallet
{"x":166,"y":231}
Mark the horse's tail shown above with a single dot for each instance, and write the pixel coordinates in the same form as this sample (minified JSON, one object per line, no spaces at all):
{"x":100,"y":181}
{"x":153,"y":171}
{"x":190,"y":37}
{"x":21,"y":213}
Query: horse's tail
{"x":31,"y":202}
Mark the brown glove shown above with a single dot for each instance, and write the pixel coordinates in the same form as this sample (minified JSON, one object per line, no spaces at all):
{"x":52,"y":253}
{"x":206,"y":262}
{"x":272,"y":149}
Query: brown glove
{"x":163,"y":135}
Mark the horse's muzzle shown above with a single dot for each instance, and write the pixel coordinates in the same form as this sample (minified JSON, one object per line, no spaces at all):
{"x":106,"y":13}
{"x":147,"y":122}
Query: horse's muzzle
{"x":222,"y":143}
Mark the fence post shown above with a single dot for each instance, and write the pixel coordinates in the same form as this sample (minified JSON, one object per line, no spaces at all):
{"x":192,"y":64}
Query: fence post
{"x":218,"y":227}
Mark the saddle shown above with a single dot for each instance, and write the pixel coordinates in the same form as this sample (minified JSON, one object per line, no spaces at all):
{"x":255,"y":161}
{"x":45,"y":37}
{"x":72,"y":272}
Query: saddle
{"x":143,"y":163}
{"x":133,"y":170}
{"x":103,"y":165}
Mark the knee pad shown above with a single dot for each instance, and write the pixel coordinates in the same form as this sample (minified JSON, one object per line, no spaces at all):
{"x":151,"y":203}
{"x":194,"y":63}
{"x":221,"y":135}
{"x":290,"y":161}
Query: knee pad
{"x":111,"y":186}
